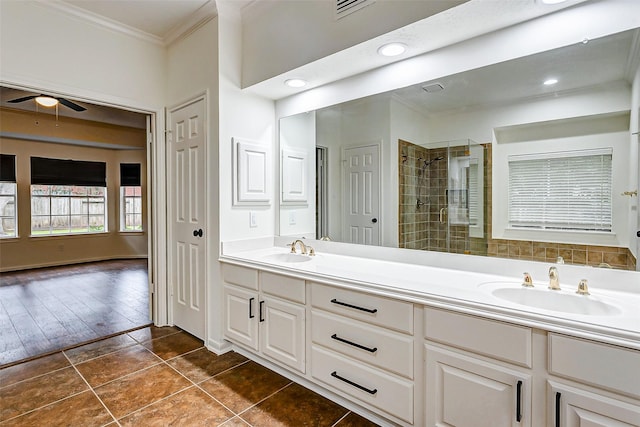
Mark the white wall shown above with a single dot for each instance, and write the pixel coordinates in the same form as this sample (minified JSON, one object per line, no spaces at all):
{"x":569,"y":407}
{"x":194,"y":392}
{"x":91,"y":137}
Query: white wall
{"x":82,"y":58}
{"x":247,"y":117}
{"x":591,"y":19}
{"x":299,"y":133}
{"x":282,"y":36}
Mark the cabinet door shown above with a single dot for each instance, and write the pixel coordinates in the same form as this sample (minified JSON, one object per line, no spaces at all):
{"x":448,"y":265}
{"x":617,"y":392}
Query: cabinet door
{"x":240,"y":316}
{"x":282,"y":330}
{"x":462,"y":391}
{"x":573,"y":407}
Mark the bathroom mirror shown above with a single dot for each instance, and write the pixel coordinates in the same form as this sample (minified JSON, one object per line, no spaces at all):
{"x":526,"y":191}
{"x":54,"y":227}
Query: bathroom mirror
{"x":428,"y":166}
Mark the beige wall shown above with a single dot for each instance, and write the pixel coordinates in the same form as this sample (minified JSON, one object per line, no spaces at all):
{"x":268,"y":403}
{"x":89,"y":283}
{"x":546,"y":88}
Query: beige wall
{"x":26,"y":251}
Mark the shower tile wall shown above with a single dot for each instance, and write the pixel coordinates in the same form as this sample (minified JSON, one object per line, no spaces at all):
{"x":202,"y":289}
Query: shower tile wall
{"x":413,"y":219}
{"x":420,"y":226}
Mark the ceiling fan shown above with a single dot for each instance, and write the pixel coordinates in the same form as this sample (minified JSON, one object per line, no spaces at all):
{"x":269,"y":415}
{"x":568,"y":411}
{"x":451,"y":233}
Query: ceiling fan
{"x":49,"y":101}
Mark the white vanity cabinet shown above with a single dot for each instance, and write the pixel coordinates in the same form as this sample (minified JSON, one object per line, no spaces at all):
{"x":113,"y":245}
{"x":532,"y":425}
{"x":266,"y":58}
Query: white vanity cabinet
{"x":467,"y":382}
{"x":363,"y":347}
{"x":592,"y":384}
{"x":265,"y":312}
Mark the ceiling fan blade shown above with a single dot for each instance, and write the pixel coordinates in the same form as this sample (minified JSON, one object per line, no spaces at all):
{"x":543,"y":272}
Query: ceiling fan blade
{"x":26,"y":98}
{"x":70,"y":104}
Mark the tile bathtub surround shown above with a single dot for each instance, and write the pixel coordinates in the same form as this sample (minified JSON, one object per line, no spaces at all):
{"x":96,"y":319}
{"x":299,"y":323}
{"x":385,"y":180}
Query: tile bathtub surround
{"x":158,"y":376}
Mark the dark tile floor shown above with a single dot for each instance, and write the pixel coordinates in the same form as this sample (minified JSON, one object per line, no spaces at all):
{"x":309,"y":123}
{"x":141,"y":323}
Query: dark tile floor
{"x":158,"y":377}
{"x":50,"y":309}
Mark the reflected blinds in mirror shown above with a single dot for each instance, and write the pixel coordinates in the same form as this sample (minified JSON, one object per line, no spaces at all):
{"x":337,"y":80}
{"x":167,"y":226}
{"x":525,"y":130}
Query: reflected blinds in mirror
{"x":564,"y":191}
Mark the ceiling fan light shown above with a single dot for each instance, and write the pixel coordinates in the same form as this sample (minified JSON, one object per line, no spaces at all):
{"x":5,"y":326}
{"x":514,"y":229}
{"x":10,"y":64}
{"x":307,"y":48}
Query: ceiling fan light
{"x":46,"y":101}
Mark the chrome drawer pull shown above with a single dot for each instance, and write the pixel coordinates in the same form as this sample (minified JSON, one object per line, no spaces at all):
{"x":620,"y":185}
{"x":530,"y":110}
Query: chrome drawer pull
{"x":360,"y":346}
{"x":368,"y":310}
{"x":356,"y":385}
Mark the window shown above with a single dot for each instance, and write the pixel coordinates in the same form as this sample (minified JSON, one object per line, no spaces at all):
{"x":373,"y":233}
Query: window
{"x":8,"y":218}
{"x":131,"y":203}
{"x":68,"y":197}
{"x":130,"y":197}
{"x":67,"y":209}
{"x":561,"y":191}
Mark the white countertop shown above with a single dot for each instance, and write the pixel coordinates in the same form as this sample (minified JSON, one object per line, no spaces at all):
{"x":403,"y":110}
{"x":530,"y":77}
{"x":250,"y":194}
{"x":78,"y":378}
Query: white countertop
{"x":466,"y":291}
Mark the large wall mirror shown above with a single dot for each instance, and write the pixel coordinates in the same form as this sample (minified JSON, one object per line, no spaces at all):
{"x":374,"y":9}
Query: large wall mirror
{"x":531,"y":159}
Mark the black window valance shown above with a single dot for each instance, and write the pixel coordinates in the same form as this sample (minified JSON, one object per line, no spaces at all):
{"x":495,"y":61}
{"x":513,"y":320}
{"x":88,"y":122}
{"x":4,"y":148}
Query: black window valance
{"x":68,"y":172}
{"x":130,"y":174}
{"x":7,"y":168}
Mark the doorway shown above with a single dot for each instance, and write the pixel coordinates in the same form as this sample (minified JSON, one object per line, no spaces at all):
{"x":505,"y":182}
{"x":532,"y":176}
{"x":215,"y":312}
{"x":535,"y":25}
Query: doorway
{"x":361,"y":194}
{"x":79,"y":245}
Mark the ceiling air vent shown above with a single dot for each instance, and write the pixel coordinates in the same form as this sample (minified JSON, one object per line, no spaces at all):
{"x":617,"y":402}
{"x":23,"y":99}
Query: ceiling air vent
{"x":345,"y":7}
{"x":435,"y":87}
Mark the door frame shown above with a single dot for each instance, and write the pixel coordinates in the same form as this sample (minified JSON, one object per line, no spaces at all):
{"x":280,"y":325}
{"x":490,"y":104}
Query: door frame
{"x":343,"y":215}
{"x":156,"y":183}
{"x":204,"y":97}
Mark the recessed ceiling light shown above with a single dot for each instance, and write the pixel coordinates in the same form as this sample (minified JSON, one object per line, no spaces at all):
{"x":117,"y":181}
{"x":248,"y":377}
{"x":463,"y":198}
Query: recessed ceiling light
{"x":295,"y":83}
{"x":553,"y":1}
{"x":46,"y":101}
{"x":550,"y":82}
{"x":392,"y":49}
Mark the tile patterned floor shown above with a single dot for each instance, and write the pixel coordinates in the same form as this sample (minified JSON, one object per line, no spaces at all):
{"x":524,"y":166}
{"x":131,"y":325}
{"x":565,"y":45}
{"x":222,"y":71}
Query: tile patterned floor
{"x":158,"y":377}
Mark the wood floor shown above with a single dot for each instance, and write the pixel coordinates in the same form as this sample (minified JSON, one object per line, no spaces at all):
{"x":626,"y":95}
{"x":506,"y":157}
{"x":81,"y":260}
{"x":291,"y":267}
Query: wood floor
{"x":51,"y":309}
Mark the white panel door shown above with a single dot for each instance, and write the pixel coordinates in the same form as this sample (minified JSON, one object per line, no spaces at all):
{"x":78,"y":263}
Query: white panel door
{"x":464,"y":392}
{"x":241,"y":320}
{"x":572,"y":407}
{"x":361,"y":192}
{"x":282,"y":332}
{"x":187,"y":213}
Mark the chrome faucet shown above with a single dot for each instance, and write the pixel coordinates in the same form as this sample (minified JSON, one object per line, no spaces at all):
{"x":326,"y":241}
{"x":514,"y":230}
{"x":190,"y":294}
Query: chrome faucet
{"x":554,"y":279}
{"x":303,"y":247}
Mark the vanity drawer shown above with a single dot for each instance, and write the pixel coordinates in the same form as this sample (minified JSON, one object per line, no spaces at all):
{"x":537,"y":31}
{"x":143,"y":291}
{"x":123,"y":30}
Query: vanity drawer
{"x":602,"y":365}
{"x":379,"y":347}
{"x":387,"y":392}
{"x":289,"y":288}
{"x":499,"y":340}
{"x":240,"y":276}
{"x":392,"y":314}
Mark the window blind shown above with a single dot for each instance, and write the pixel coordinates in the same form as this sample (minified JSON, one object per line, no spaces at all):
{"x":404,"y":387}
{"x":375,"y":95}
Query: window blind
{"x":7,"y":168}
{"x":46,"y":171}
{"x":565,"y":191}
{"x":130,"y":174}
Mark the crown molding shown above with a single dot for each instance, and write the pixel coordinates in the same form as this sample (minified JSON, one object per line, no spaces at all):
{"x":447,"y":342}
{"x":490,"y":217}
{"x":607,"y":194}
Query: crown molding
{"x":100,"y":20}
{"x":204,"y":14}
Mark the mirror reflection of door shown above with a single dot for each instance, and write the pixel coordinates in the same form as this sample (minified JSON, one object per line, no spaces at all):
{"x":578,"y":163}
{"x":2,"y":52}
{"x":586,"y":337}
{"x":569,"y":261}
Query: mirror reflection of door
{"x":361,"y":203}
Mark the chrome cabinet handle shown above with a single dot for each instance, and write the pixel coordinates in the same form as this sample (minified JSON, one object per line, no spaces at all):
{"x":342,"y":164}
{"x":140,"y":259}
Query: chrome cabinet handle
{"x":356,"y":385}
{"x":360,"y":346}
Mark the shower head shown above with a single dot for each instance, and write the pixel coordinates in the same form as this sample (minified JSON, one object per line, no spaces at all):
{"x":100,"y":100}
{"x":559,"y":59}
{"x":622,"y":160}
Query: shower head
{"x":428,"y":163}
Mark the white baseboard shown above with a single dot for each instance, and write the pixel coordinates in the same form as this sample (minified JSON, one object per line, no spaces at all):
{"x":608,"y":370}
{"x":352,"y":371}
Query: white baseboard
{"x":69,"y":262}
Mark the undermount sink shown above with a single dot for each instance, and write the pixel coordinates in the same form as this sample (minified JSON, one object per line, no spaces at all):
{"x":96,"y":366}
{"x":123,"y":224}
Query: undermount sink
{"x":288,"y":257}
{"x":561,"y":301}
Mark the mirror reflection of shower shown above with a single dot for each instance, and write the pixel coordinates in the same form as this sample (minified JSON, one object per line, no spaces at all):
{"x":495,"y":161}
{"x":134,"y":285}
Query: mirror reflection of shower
{"x":423,"y":183}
